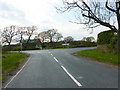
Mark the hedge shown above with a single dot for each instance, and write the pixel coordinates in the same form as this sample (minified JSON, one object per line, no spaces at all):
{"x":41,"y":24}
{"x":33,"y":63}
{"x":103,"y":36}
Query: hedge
{"x":108,"y":38}
{"x":105,"y":37}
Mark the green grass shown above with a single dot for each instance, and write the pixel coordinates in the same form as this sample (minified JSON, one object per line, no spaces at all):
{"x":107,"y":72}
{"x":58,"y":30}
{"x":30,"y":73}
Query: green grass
{"x":11,"y":61}
{"x":100,"y":56}
{"x":0,"y":77}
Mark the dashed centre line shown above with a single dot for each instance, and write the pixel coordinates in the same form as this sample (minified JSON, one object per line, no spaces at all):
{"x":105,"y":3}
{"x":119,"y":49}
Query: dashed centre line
{"x":55,"y":59}
{"x":51,"y":54}
{"x":67,"y":72}
{"x":71,"y":76}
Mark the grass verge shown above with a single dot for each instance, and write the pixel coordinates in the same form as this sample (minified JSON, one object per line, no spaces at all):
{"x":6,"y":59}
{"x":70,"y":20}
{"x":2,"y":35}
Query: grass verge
{"x":10,"y":61}
{"x":100,"y":56}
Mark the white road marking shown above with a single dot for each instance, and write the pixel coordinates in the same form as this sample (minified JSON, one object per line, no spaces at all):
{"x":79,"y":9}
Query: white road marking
{"x":17,"y":73}
{"x":55,"y":59}
{"x":71,"y":76}
{"x":80,"y":77}
{"x":51,"y":54}
{"x":68,"y":73}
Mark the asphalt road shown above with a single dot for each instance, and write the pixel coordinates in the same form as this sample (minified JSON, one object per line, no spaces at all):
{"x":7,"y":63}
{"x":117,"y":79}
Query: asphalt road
{"x":57,"y":68}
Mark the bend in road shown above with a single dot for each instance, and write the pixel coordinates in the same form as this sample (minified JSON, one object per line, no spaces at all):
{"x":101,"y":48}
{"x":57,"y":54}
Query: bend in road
{"x":57,"y":68}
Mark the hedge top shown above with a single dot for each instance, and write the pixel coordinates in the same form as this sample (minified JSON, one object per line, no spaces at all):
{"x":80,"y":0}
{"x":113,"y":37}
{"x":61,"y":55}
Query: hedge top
{"x":105,"y":37}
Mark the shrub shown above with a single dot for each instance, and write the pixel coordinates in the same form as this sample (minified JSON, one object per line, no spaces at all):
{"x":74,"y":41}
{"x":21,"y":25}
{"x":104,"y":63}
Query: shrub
{"x":105,"y":37}
{"x":11,"y":48}
{"x":109,"y":39}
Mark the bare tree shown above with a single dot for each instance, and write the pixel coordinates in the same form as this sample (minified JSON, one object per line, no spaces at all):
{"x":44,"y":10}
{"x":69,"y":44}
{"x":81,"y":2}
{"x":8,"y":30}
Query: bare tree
{"x":30,"y":32}
{"x":37,"y":39}
{"x":21,"y":32}
{"x":51,"y":33}
{"x":68,"y":39}
{"x":93,"y":13}
{"x":43,"y":36}
{"x":57,"y":37}
{"x":8,"y":34}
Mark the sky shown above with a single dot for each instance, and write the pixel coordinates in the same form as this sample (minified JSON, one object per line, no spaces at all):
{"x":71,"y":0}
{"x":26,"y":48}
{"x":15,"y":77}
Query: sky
{"x":42,"y":13}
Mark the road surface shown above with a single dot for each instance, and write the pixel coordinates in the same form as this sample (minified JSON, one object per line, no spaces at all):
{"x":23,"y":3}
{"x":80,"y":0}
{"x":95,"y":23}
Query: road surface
{"x":57,"y":68}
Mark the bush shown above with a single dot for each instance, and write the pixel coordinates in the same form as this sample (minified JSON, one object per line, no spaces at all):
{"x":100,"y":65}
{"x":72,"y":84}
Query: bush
{"x":105,"y":37}
{"x":109,"y":39}
{"x":30,"y":46}
{"x":11,"y":48}
{"x":54,"y":45}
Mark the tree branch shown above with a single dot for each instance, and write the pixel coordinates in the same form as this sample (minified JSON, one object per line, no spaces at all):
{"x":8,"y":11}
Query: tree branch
{"x":102,"y":23}
{"x":106,"y":4}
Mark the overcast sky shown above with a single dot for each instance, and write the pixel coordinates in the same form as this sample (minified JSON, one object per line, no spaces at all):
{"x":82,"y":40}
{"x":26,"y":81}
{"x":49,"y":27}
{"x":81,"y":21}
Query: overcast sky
{"x":42,"y":13}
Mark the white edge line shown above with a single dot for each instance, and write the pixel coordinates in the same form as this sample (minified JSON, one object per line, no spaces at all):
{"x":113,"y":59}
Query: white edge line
{"x":71,"y":76}
{"x":17,"y":73}
{"x":55,"y":59}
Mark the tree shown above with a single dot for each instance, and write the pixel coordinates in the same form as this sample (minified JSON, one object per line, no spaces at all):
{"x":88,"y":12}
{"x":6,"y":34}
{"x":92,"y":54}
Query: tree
{"x":43,"y":36}
{"x":8,"y":34}
{"x":51,"y":34}
{"x":30,"y":32}
{"x":84,"y":39}
{"x":93,"y":13}
{"x":88,"y":39}
{"x":57,"y":37}
{"x":37,"y":39}
{"x":68,"y":39}
{"x":21,"y":32}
